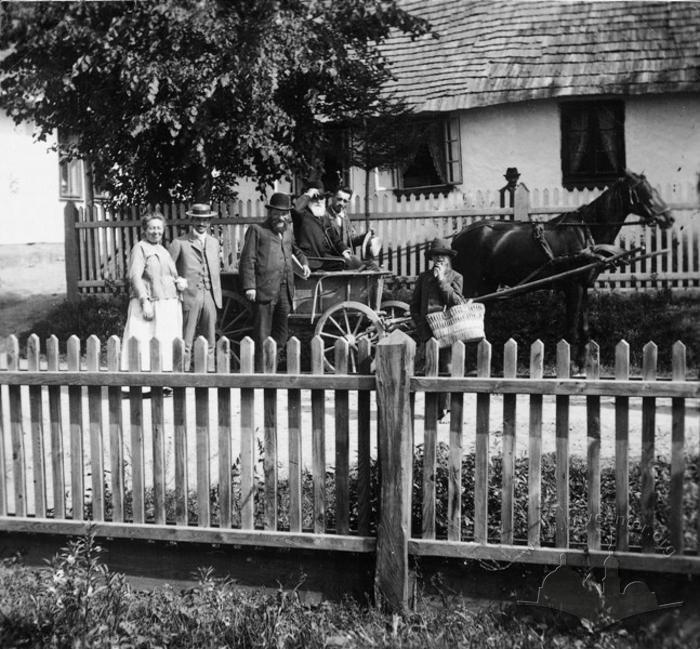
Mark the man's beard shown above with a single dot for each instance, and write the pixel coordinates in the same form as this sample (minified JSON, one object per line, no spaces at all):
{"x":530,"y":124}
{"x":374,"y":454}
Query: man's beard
{"x":318,"y":210}
{"x":279,"y":225}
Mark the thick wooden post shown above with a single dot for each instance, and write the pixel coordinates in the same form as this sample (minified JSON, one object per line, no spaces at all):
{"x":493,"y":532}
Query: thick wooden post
{"x":394,"y":361}
{"x":71,"y":248}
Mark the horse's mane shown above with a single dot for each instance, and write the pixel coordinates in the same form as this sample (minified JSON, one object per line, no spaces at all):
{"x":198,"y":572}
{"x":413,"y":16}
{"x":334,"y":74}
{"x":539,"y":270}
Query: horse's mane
{"x":609,"y":202}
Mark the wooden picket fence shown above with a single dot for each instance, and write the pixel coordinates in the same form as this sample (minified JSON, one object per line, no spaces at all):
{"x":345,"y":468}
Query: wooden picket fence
{"x":141,"y":466}
{"x":98,"y":241}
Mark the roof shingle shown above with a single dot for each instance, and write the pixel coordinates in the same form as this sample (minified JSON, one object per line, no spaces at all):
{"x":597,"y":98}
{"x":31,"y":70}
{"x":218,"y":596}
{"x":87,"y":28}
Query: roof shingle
{"x":496,"y":51}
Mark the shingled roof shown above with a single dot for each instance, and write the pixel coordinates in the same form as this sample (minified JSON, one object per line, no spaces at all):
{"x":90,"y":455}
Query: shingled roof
{"x":496,"y":51}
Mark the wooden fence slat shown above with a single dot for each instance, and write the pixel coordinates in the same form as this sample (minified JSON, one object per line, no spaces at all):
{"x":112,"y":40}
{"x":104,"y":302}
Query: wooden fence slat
{"x":364,"y":490}
{"x":223,"y":398}
{"x":430,"y":442}
{"x":201,"y":415}
{"x":622,"y":365}
{"x":75,"y":420}
{"x":37,"y":428}
{"x":157,"y":436}
{"x":116,"y":431}
{"x":534,"y":473}
{"x":318,"y":437}
{"x":510,"y":367}
{"x":19,"y":460}
{"x":593,"y":453}
{"x":481,"y":448}
{"x":647,"y":462}
{"x":454,"y":485}
{"x":56,"y":425}
{"x":95,"y":429}
{"x":562,"y":450}
{"x":137,"y":444}
{"x":294,"y":433}
{"x":270,"y":437}
{"x":180,"y":437}
{"x":342,"y":443}
{"x":678,"y":364}
{"x":247,"y":437}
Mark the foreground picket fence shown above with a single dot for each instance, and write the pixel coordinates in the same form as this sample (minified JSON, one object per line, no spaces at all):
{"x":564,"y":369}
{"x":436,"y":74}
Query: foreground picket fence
{"x":69,"y":459}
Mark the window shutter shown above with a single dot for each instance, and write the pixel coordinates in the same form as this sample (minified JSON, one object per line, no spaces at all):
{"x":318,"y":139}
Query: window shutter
{"x":453,"y":151}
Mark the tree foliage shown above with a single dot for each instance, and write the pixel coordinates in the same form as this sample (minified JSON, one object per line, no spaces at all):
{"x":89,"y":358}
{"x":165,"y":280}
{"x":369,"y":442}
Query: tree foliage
{"x":176,"y":99}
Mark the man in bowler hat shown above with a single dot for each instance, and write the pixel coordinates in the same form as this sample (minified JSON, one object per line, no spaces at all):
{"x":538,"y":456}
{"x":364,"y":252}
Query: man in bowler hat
{"x":266,"y":272}
{"x":196,"y":256}
{"x":436,"y":288}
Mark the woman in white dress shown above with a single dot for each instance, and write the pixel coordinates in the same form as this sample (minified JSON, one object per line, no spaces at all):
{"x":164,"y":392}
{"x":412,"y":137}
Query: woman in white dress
{"x":155,"y":287}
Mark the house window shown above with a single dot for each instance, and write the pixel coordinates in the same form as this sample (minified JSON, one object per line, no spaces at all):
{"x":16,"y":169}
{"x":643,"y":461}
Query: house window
{"x":437,"y":164}
{"x":70,"y":172}
{"x":593,"y":143}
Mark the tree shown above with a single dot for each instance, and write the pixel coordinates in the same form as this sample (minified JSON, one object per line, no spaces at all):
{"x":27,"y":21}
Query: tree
{"x":177,"y":99}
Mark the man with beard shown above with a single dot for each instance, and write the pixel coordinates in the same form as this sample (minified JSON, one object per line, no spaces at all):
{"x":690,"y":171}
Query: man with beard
{"x":266,"y":273}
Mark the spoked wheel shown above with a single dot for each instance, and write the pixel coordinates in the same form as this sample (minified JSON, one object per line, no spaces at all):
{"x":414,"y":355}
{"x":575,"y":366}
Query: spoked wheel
{"x":352,"y":321}
{"x":397,"y":315}
{"x":235,"y":322}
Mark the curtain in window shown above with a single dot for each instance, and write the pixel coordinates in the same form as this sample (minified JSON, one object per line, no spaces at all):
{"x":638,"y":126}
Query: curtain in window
{"x":606,"y":126}
{"x":436,"y":148}
{"x":579,"y":139}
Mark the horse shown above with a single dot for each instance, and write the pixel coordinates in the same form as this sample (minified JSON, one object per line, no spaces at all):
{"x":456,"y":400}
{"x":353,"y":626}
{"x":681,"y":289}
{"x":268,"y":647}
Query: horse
{"x":495,"y":254}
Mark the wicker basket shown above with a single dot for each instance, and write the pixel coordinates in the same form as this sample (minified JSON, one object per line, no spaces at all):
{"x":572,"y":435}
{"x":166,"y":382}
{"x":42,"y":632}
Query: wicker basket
{"x":463,"y":322}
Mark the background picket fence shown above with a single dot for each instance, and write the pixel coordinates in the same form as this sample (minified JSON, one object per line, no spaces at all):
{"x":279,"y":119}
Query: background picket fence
{"x":75,"y":448}
{"x":98,"y":241}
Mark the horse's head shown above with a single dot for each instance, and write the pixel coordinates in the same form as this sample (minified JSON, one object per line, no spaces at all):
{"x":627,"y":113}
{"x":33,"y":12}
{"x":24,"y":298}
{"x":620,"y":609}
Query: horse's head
{"x":646,"y":201}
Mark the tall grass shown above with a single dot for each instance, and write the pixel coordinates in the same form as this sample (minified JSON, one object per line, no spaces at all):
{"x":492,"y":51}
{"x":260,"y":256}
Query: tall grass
{"x":77,"y":602}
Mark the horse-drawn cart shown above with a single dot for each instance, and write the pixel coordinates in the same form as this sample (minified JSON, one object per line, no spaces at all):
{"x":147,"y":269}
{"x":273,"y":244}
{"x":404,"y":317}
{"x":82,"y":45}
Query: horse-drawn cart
{"x":345,"y":304}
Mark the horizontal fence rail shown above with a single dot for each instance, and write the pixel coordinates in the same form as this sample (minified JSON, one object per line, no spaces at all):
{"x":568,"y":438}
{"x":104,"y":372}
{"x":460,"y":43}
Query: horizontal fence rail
{"x":98,"y":241}
{"x":523,"y":468}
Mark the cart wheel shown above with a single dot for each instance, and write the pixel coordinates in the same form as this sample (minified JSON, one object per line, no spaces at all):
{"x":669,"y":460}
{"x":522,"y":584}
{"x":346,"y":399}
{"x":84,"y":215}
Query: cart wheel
{"x":397,"y":315}
{"x":352,"y":321}
{"x":235,"y":322}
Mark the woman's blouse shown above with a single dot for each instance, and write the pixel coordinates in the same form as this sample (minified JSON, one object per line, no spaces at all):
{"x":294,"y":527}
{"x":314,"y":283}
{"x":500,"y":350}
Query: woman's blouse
{"x":152,"y":272}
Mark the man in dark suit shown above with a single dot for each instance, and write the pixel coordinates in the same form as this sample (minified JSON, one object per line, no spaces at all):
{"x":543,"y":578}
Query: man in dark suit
{"x":196,"y":256}
{"x":266,"y":272}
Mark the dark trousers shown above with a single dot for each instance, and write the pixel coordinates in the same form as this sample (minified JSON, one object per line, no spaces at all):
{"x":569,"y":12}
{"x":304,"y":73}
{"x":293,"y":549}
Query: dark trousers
{"x":200,"y":319}
{"x":444,"y":369}
{"x":271,"y":319}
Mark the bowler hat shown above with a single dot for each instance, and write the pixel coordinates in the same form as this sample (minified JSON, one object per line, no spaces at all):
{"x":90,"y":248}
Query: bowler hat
{"x":441,"y":247}
{"x":280,"y":201}
{"x":201,"y":211}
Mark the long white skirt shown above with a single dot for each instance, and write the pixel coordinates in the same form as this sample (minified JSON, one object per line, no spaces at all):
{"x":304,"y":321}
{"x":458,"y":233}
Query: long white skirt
{"x":165,"y":326}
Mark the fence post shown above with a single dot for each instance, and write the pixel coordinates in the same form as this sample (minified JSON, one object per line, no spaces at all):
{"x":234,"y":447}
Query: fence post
{"x":521,"y":203}
{"x":394,"y":362}
{"x":71,"y":247}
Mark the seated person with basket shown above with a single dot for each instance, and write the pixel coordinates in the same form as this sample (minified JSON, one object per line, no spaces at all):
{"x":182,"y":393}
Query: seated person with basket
{"x":322,"y":244}
{"x":438,"y":288}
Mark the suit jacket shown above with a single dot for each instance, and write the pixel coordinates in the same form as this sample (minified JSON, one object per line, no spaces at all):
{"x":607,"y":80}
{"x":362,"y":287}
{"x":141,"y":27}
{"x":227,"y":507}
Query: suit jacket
{"x":316,"y":240}
{"x":266,"y":258}
{"x":344,"y":230}
{"x":189,"y":256}
{"x":430,"y":295}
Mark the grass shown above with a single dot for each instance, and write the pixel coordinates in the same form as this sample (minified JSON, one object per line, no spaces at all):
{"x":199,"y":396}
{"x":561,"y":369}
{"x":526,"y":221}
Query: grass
{"x":78,"y":602}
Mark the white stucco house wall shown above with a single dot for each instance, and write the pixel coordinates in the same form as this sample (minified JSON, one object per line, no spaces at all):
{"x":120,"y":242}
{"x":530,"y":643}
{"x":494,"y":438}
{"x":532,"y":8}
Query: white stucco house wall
{"x":506,"y":81}
{"x":29,"y":187}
